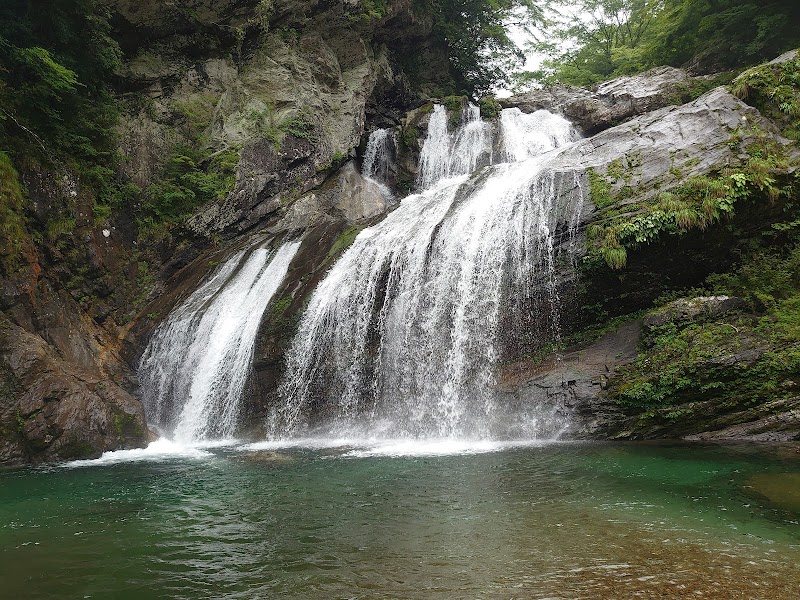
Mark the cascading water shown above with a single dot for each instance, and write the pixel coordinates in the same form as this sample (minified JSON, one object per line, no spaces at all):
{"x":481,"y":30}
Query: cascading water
{"x":378,"y":155}
{"x":451,"y":155}
{"x":403,"y":336}
{"x":194,"y":369}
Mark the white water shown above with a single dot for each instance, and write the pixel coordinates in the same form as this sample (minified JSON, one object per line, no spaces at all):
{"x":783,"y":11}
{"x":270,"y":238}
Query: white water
{"x":159,"y":451}
{"x":361,"y":448}
{"x":378,"y":155}
{"x":447,"y":154}
{"x":194,"y":369}
{"x":402,"y":338}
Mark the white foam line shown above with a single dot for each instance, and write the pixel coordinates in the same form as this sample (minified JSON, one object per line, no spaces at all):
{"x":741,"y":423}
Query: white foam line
{"x":157,"y":451}
{"x":164,"y":449}
{"x":366,"y":447}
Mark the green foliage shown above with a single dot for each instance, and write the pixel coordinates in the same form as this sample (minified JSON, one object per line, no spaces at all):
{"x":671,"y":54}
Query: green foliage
{"x":409,"y":137}
{"x":623,"y":37}
{"x":775,"y":91}
{"x":765,"y":280}
{"x":12,"y":222}
{"x":455,"y":107}
{"x":198,"y":111}
{"x":369,"y":10}
{"x":266,"y":125}
{"x":188,"y":180}
{"x":57,"y":61}
{"x":606,"y":40}
{"x":344,"y":241}
{"x":697,"y":203}
{"x":725,"y":35}
{"x":481,"y":52}
{"x":490,"y":107}
{"x":300,"y":126}
{"x":454,"y":104}
{"x":736,"y":362}
{"x":599,"y":189}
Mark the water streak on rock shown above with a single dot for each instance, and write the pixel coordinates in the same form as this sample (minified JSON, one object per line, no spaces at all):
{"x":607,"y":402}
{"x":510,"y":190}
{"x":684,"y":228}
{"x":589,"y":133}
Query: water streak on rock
{"x":378,"y":155}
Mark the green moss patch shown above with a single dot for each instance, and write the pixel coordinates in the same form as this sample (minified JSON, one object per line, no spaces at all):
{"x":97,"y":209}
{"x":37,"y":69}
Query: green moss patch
{"x":697,"y":203}
{"x":774,"y":89}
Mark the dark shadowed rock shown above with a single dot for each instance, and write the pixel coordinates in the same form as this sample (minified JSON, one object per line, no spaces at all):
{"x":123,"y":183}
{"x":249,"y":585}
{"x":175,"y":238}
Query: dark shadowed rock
{"x":573,"y":382}
{"x":693,"y":309}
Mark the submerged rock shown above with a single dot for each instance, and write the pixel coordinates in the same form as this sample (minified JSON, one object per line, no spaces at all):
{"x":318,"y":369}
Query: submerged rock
{"x":782,"y":490}
{"x":270,"y":458}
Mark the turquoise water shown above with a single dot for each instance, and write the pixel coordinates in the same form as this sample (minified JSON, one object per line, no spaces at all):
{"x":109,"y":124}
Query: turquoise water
{"x":551,"y":521}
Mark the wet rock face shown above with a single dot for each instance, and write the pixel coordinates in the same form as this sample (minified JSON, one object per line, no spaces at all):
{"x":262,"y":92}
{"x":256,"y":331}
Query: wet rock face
{"x":655,"y":151}
{"x":302,"y":62}
{"x":664,"y":147}
{"x":573,"y":383}
{"x":610,"y":103}
{"x":53,"y":409}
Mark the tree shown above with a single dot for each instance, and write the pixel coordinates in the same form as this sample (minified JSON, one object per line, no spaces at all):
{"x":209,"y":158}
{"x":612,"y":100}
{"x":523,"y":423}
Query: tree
{"x":607,"y":38}
{"x":597,"y":38}
{"x":56,"y":62}
{"x":714,"y":35}
{"x":482,"y":54}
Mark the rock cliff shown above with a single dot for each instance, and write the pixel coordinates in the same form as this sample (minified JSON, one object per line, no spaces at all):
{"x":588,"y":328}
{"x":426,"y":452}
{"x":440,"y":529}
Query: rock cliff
{"x":694,"y":197}
{"x":245,"y":117}
{"x":233,"y":117}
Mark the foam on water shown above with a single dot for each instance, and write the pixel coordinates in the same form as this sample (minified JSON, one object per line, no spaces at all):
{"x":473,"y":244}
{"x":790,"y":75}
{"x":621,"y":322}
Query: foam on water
{"x":158,"y":451}
{"x":376,"y":446}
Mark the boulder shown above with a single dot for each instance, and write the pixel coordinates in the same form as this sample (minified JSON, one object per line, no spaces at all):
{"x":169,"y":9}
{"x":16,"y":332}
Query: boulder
{"x":685,"y":309}
{"x":609,"y":103}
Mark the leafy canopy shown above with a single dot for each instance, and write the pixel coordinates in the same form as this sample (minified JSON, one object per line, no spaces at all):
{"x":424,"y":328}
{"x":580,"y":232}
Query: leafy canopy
{"x":56,"y":61}
{"x":482,"y":53}
{"x":592,"y":40}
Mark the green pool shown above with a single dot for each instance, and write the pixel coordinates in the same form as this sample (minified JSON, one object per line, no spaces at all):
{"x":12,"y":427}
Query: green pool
{"x":359,"y":520}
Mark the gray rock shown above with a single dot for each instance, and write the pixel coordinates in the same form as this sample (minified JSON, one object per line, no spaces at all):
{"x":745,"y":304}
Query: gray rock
{"x":746,"y":358}
{"x":785,"y":57}
{"x":346,"y":196}
{"x":609,"y":103}
{"x":777,"y":421}
{"x":693,"y":309}
{"x":572,"y":383}
{"x":662,"y":148}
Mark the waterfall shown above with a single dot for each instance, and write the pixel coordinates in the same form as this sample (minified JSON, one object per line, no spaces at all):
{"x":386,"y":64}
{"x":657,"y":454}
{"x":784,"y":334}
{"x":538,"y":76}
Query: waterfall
{"x":527,"y":135}
{"x":378,"y":155}
{"x":447,"y":155}
{"x":194,"y":369}
{"x":403,"y":336}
